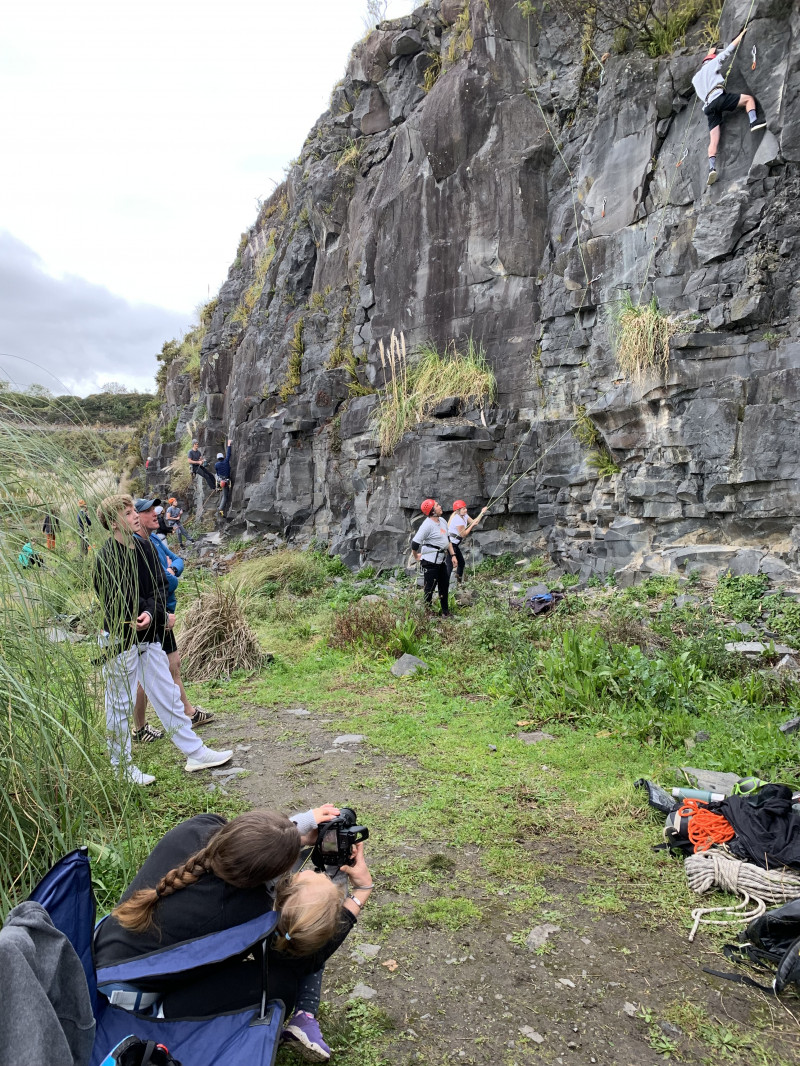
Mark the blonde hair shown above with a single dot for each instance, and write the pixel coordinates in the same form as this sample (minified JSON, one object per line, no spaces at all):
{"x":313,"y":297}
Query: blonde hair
{"x":109,"y":509}
{"x":310,"y":911}
{"x":248,"y":851}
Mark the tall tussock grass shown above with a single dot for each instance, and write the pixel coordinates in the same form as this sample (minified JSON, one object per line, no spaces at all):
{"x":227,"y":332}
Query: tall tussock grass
{"x":415,"y":385}
{"x":640,"y":335}
{"x":57,"y":788}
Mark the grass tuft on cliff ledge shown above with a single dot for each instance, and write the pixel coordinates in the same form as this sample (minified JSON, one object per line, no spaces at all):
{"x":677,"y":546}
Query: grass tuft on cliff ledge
{"x":414,"y":387}
{"x":640,"y":334}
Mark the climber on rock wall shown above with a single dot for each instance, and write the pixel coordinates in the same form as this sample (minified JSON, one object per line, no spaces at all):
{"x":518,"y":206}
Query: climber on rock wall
{"x":709,"y":84}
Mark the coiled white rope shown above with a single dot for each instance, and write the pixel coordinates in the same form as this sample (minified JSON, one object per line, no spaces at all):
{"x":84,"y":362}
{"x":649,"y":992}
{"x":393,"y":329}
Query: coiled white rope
{"x":715,"y":869}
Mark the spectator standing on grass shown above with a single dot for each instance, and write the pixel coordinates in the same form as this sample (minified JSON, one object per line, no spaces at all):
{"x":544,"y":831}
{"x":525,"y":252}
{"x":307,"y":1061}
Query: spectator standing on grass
{"x":132,"y":589}
{"x":431,"y":546}
{"x":174,"y":514}
{"x":172,"y":565}
{"x":50,"y":526}
{"x":84,"y":525}
{"x":223,"y":469}
{"x":459,"y":528}
{"x":196,"y":465}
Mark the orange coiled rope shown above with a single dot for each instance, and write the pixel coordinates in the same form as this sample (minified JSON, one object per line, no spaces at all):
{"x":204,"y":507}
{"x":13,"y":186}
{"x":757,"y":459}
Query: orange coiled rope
{"x":705,"y":828}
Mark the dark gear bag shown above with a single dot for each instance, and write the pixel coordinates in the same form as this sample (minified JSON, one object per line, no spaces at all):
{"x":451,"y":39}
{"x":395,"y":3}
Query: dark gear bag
{"x":772,"y":943}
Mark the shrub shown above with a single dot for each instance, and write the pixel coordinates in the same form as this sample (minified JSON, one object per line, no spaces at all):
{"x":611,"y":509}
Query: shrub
{"x":375,"y":625}
{"x":413,"y":389}
{"x":294,"y":367}
{"x":584,"y":430}
{"x":432,"y":71}
{"x":250,"y":296}
{"x":461,"y":38}
{"x":640,"y":335}
{"x":349,"y":155}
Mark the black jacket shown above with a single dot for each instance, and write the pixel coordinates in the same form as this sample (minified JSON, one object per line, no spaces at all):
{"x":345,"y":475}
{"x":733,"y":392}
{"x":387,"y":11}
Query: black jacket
{"x":130,"y":580}
{"x":207,"y":906}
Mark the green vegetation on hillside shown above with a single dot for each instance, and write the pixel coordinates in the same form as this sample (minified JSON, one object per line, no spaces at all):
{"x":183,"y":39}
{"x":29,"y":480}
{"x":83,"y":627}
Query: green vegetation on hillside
{"x":99,"y":409}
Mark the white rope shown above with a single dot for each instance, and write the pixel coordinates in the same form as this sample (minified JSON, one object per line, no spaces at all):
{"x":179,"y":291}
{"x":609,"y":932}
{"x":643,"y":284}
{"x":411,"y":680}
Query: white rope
{"x":714,"y":869}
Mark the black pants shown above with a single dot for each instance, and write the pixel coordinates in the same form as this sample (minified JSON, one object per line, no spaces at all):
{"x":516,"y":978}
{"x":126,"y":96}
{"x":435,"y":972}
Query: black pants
{"x":459,"y":560}
{"x":205,"y":475}
{"x":436,"y":574}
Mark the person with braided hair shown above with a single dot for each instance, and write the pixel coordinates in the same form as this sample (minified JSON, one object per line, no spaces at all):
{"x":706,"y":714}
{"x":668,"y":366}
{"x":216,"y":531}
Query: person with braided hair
{"x":206,"y":875}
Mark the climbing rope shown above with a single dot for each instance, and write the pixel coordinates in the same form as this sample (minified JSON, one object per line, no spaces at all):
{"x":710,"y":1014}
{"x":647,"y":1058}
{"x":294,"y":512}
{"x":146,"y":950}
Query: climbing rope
{"x":705,"y":828}
{"x":715,"y":869}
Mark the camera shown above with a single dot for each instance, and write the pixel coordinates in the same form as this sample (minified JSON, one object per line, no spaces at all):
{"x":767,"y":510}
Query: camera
{"x":336,"y":838}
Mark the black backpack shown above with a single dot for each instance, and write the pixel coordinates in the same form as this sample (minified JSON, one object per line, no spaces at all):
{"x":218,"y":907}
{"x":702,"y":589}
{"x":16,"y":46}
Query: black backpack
{"x":771,"y":943}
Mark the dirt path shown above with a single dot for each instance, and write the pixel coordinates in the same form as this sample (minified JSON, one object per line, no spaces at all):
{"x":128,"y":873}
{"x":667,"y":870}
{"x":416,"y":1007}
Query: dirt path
{"x":602,"y":988}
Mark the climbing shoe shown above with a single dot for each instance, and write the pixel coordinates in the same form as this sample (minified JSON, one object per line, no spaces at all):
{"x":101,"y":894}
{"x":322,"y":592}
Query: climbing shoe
{"x":712,"y":177}
{"x":757,"y":125}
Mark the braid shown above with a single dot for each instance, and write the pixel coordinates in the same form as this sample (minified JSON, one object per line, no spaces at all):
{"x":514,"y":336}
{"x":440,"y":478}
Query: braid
{"x":137,"y":913}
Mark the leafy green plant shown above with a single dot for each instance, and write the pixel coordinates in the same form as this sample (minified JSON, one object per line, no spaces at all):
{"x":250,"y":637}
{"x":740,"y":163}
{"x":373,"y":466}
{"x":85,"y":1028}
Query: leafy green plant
{"x":640,"y":335}
{"x":602,"y":463}
{"x":414,"y":387}
{"x":168,"y":431}
{"x":741,"y":598}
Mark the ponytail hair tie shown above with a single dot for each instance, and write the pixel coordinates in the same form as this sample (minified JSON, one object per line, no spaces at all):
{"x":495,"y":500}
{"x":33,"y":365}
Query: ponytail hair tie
{"x":286,"y":935}
{"x":158,"y":894}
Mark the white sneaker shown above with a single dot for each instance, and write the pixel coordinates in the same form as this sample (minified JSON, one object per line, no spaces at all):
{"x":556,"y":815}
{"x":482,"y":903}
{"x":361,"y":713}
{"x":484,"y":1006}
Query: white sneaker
{"x":206,"y":759}
{"x":138,"y":777}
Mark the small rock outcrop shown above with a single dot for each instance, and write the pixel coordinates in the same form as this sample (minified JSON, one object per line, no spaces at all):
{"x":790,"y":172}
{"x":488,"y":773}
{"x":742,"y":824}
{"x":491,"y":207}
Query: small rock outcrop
{"x":480,"y":174}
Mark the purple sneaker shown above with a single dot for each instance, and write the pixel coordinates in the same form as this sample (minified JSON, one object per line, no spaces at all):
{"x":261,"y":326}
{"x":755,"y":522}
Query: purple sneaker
{"x":302,"y":1031}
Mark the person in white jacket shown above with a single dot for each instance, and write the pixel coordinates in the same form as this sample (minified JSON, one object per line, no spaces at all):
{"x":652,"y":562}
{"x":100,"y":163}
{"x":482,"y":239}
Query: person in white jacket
{"x":709,"y":84}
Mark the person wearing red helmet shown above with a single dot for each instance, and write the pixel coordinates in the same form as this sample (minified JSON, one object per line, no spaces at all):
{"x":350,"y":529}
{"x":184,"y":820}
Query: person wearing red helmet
{"x":709,"y":84}
{"x":431,"y":546}
{"x":459,"y":528}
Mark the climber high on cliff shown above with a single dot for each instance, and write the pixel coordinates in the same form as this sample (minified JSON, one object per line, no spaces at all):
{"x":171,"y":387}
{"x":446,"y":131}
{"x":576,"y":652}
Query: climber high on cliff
{"x":709,"y":84}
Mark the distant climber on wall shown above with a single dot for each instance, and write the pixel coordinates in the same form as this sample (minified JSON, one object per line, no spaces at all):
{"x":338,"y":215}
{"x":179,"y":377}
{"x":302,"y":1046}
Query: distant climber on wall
{"x":431,"y":546}
{"x":196,"y":465}
{"x":223,"y":469}
{"x":709,"y":84}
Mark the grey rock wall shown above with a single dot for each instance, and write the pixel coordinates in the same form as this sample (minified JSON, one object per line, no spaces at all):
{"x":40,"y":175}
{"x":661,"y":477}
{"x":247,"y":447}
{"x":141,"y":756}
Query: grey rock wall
{"x":515,"y":202}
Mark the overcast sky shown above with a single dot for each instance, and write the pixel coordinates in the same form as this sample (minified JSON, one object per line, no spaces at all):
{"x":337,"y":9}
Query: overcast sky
{"x":137,"y":137}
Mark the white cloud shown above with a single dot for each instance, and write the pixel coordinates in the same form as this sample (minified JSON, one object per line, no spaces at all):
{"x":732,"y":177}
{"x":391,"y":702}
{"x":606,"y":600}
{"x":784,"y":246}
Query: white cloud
{"x":138,"y":134}
{"x":71,"y":335}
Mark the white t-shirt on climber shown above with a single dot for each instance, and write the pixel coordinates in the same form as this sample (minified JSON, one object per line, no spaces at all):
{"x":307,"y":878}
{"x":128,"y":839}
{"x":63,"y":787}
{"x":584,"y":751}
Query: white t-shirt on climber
{"x":457,"y":524}
{"x":433,"y":540}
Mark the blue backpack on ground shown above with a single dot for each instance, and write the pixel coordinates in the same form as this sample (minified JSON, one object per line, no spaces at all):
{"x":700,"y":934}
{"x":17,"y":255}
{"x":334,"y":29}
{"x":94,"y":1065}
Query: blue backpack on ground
{"x":246,"y":1036}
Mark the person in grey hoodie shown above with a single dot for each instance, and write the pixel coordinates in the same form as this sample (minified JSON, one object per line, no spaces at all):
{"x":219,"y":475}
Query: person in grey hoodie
{"x":709,"y":84}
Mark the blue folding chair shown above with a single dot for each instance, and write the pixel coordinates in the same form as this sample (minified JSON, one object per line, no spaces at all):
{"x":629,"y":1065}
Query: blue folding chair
{"x":247,"y":1036}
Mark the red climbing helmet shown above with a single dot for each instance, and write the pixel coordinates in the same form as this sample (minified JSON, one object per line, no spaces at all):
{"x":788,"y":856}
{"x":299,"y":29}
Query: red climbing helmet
{"x":458,"y":504}
{"x":427,"y":506}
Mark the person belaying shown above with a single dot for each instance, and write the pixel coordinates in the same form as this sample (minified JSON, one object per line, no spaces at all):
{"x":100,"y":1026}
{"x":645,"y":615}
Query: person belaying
{"x":197,"y":464}
{"x":459,"y":528}
{"x":709,"y":84}
{"x":223,"y":470}
{"x":432,"y":547}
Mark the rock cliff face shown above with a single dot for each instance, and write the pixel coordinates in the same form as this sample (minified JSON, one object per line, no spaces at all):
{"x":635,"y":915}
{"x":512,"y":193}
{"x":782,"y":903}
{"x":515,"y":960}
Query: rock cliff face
{"x":515,"y":202}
